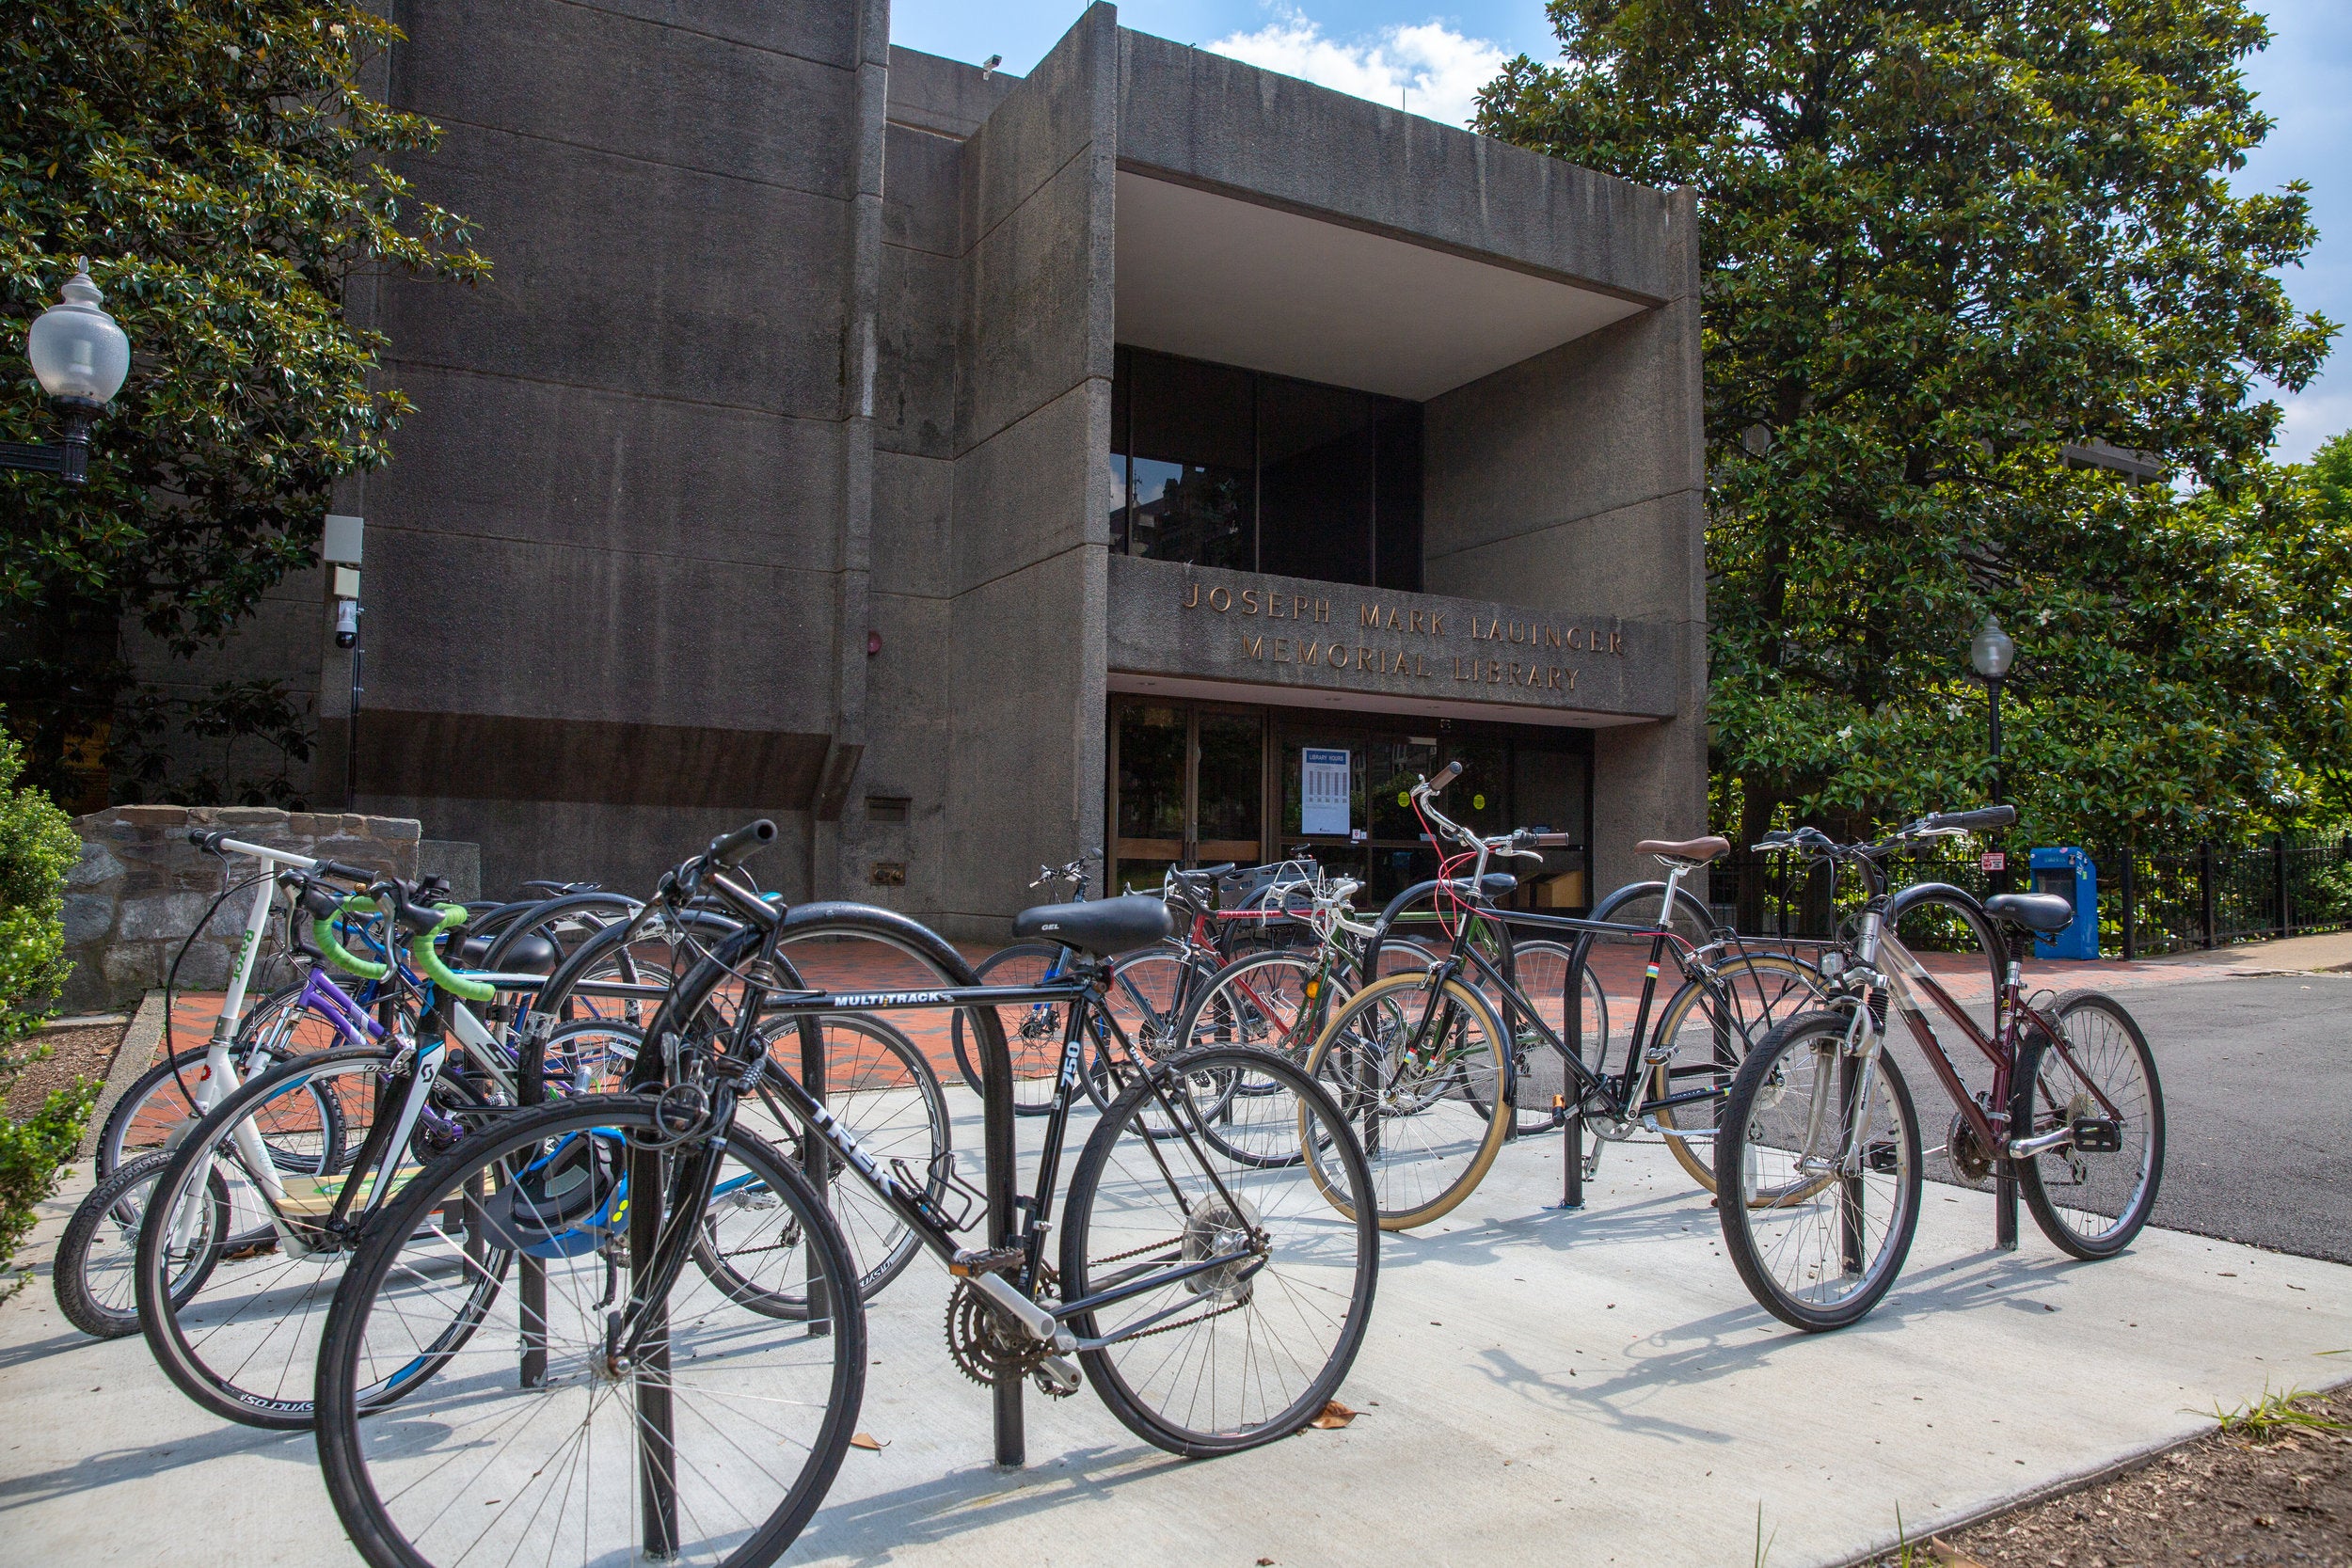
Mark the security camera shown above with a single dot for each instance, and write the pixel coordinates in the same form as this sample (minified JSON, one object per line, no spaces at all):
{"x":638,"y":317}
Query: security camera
{"x":346,"y":622}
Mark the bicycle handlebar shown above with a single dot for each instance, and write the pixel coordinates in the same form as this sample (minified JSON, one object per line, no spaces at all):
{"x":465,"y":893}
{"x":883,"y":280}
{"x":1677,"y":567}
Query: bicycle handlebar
{"x":728,"y":850}
{"x":1968,"y":821}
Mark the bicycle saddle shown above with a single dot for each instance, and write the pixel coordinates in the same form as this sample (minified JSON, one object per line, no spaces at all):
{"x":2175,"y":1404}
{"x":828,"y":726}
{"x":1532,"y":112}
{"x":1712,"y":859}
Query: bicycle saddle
{"x":1106,"y":927}
{"x":2035,"y":911}
{"x":1689,"y":851}
{"x":531,"y":954}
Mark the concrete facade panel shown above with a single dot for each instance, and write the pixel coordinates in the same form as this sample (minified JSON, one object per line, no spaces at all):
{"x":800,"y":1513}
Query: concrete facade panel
{"x":1022,"y":495}
{"x":738,"y":303}
{"x":921,"y":205}
{"x":543,"y":631}
{"x":945,"y":98}
{"x":916,"y":362}
{"x":1644,"y":560}
{"x":583,"y":466}
{"x":626,"y":847}
{"x":1592,"y":427}
{"x":825,"y":33}
{"x":913,"y":525}
{"x":639,"y":87}
{"x":1193,"y":114}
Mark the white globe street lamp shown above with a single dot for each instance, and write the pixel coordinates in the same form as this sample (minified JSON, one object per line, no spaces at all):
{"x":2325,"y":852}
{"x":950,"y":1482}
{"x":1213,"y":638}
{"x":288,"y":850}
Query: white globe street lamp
{"x":1991,"y":652}
{"x":80,"y":357}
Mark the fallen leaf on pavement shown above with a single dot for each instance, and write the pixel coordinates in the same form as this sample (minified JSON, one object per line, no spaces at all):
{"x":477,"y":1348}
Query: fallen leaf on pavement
{"x":1335,"y":1416}
{"x":868,"y":1441}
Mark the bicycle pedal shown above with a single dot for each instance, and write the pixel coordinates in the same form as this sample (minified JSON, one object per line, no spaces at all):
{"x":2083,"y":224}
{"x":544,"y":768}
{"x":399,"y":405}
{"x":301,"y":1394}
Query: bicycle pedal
{"x":1058,"y":1377}
{"x":2098,"y":1135}
{"x":1884,"y":1159}
{"x":971,"y":1262}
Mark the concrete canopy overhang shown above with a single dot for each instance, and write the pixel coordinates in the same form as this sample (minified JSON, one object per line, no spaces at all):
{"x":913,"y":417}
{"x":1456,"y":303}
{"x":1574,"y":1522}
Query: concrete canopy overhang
{"x":1213,"y":275}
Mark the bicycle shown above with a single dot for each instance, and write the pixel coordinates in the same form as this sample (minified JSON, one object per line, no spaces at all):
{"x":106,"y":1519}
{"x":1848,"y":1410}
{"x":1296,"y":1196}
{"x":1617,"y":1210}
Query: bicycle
{"x":91,"y":1277}
{"x":648,"y":1413}
{"x":1820,"y":1125}
{"x":1425,"y":1064}
{"x":258,"y":1208}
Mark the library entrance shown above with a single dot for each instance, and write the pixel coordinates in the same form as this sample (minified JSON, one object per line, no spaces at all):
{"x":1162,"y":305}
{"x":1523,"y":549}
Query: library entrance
{"x":1197,"y":783}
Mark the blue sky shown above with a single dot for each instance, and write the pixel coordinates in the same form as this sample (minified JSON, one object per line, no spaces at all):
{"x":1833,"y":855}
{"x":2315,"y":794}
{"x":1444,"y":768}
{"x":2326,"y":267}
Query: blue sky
{"x":1431,"y":58}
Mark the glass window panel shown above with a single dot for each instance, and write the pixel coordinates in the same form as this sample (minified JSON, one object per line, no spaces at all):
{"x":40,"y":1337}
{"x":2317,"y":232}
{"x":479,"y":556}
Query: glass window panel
{"x":1191,"y":513}
{"x":1396,"y":761}
{"x":1315,"y":480}
{"x":1229,"y":783}
{"x":1397,"y":498}
{"x":1152,"y":773}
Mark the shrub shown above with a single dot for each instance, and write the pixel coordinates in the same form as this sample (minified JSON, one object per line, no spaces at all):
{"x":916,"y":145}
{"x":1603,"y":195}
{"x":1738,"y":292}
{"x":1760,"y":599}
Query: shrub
{"x":37,"y":847}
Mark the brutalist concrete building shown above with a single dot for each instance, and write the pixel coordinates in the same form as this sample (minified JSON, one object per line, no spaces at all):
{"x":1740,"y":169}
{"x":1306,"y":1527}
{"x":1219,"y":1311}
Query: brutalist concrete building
{"x":1153,"y":454}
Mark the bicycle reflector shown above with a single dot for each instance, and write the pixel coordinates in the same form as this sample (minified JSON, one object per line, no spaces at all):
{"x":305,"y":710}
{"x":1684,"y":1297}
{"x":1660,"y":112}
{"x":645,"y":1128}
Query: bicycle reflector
{"x":565,"y":1203}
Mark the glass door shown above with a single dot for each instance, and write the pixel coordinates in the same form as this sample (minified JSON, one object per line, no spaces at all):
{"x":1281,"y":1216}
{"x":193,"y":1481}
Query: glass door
{"x":1187,"y":788}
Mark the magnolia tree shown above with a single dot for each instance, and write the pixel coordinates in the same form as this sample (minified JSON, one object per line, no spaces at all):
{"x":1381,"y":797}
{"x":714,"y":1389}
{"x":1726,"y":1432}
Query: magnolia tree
{"x":218,"y":162}
{"x":1945,"y":241}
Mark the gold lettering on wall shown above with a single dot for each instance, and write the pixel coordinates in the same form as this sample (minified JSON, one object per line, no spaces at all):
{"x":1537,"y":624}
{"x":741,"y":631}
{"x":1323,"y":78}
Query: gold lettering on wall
{"x":1381,"y":615}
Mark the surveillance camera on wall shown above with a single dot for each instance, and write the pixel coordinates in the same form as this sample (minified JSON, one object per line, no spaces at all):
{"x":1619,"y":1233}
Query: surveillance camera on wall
{"x":346,"y":622}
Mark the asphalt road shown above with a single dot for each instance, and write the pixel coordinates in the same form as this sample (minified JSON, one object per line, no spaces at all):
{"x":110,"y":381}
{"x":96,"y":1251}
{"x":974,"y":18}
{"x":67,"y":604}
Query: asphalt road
{"x":2258,"y":1103}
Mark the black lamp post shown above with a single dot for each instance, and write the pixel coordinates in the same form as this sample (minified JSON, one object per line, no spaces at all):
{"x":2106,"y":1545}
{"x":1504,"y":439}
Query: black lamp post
{"x":1992,"y":652}
{"x":79,"y":356}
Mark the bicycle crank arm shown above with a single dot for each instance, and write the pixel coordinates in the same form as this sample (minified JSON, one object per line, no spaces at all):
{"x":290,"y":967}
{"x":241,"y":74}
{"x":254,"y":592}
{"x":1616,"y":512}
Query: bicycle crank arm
{"x":2088,"y":1135}
{"x":1028,"y":1314}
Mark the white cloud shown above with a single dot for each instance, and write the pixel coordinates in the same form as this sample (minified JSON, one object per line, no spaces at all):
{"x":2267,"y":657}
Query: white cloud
{"x":1427,"y":69}
{"x":2312,"y":417}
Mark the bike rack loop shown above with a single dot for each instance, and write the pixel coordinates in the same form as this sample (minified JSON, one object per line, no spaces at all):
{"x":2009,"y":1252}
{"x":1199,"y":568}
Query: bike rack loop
{"x":996,"y":1120}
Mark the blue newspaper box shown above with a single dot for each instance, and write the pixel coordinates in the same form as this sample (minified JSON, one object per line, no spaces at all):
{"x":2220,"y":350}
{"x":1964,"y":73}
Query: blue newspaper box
{"x":2069,"y":874}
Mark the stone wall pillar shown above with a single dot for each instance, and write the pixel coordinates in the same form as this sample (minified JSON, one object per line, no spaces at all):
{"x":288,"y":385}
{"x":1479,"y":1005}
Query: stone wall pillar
{"x":140,"y":887}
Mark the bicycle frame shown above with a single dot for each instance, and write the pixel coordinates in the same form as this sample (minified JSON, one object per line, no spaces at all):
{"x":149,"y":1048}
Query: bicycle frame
{"x":1882,"y":956}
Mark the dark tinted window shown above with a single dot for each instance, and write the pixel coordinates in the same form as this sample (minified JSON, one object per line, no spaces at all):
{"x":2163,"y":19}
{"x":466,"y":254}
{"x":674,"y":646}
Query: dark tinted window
{"x":1222,"y":467}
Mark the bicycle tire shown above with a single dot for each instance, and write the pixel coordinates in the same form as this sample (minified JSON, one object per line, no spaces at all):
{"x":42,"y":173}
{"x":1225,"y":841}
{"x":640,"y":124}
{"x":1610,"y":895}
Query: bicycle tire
{"x":2042,"y":1075}
{"x":156,"y":1109}
{"x":870,"y":1229}
{"x":1791,"y":1236}
{"x":1751,"y":1011}
{"x":1348,"y":1061}
{"x":92,"y":1274}
{"x":195,"y":1336}
{"x":1266,"y":1204}
{"x":396,"y":1472}
{"x":1034,"y":1031}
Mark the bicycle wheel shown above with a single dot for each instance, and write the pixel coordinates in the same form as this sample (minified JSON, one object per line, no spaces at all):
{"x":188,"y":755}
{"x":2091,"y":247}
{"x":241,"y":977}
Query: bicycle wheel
{"x":1033,"y":1030}
{"x":1540,"y":967}
{"x":1706,"y":1033}
{"x":243,"y":1346}
{"x":92,"y":1274}
{"x":1828,"y":1180}
{"x":161,"y":1102}
{"x":1430,"y":1107}
{"x":1267,"y":1002}
{"x":712,"y":1445}
{"x":1250,"y":1350}
{"x":878,"y":1086}
{"x":2089,"y":1203}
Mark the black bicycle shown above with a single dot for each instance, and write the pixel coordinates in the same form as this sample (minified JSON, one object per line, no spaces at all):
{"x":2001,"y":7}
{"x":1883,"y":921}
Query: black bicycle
{"x":1207,"y":1286}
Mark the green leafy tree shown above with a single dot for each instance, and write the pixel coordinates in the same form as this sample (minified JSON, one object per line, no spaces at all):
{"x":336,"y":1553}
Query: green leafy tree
{"x":1946,"y":240}
{"x":37,"y":847}
{"x":217,"y":161}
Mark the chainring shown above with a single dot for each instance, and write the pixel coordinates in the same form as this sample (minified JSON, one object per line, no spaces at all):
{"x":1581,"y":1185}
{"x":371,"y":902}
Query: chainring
{"x":1971,"y":1161}
{"x":986,"y":1351}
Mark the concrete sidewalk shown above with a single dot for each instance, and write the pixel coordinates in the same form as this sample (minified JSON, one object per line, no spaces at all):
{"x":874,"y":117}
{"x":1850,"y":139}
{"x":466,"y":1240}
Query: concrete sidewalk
{"x":1572,"y":1388}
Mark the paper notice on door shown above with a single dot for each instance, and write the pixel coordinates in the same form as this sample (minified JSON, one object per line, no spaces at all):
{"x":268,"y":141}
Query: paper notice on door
{"x":1322,"y":791}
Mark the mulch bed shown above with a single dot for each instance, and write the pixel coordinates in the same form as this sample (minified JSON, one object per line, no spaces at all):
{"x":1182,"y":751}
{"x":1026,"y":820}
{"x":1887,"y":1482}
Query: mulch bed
{"x":2282,"y":1498}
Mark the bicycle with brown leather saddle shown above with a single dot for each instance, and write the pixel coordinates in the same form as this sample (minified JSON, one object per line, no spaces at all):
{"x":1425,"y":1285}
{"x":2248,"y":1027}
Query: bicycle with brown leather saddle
{"x":1406,"y":1050}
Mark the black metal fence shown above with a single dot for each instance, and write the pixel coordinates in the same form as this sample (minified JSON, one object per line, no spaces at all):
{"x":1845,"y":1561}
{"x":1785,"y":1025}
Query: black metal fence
{"x":2150,"y":902}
